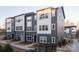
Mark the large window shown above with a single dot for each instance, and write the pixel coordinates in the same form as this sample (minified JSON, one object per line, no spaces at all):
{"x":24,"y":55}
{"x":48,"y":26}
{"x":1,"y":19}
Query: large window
{"x":29,"y":37}
{"x":43,"y":16}
{"x":43,"y":28}
{"x":43,"y":39}
{"x":8,"y":22}
{"x":18,"y":20}
{"x":29,"y":28}
{"x":19,"y":28}
{"x":29,"y":19}
{"x":8,"y":28}
{"x":53,"y":26}
{"x":53,"y":40}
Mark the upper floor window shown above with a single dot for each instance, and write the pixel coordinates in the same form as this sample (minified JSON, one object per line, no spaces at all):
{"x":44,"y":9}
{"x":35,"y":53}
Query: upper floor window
{"x":43,"y":27}
{"x":8,"y":22}
{"x":19,"y":28}
{"x":29,"y":28}
{"x":19,"y":20}
{"x":35,"y":17}
{"x":29,"y":18}
{"x":8,"y":28}
{"x":53,"y":26}
{"x":44,"y":16}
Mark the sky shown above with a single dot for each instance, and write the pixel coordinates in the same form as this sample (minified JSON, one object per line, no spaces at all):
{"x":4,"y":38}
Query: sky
{"x":71,"y":12}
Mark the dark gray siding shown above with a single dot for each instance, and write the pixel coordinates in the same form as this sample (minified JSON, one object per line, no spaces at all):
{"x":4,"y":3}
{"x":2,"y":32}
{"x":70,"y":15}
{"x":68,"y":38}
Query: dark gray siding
{"x":60,"y":24}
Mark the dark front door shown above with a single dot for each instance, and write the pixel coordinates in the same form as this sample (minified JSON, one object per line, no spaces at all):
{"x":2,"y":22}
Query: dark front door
{"x":12,"y":36}
{"x":35,"y":38}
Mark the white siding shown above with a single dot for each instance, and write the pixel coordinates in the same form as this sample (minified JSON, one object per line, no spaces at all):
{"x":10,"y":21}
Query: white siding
{"x":19,"y":23}
{"x":44,"y":22}
{"x":29,"y":21}
{"x":8,"y":24}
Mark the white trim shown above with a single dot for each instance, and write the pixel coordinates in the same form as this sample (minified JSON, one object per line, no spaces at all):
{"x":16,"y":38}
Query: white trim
{"x":53,"y":39}
{"x":53,"y":28}
{"x":43,"y":39}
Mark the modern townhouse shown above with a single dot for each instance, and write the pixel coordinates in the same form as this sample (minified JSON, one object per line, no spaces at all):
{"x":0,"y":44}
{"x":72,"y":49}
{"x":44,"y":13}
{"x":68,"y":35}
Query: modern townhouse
{"x":19,"y":27}
{"x":9,"y":26}
{"x":25,"y":27}
{"x":70,"y":31}
{"x":31,"y":26}
{"x":44,"y":27}
{"x":50,"y":25}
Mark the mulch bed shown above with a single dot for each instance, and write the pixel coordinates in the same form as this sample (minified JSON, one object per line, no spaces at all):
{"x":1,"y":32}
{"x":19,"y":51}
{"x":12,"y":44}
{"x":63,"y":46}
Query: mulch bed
{"x":38,"y":45}
{"x":25,"y":43}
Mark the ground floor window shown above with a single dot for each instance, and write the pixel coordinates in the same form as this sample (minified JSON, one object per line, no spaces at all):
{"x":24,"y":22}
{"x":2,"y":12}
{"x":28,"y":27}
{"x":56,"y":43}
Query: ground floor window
{"x":29,"y":37}
{"x":53,"y":39}
{"x":43,"y":39}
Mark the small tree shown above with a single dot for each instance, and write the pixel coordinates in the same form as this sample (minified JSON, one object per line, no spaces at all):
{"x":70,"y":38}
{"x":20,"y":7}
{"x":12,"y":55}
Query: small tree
{"x":1,"y":48}
{"x":8,"y":48}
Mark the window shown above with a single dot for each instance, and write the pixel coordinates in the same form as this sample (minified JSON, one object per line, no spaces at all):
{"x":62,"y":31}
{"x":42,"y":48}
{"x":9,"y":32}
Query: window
{"x":46,"y":27}
{"x":19,"y":28}
{"x":43,"y":39}
{"x":53,"y":26}
{"x":29,"y":19}
{"x":53,"y":39}
{"x":46,"y":15}
{"x":40,"y":28}
{"x":29,"y":37}
{"x":19,"y":20}
{"x":8,"y":28}
{"x":29,"y":29}
{"x":43,"y":16}
{"x":8,"y":22}
{"x":43,"y":27}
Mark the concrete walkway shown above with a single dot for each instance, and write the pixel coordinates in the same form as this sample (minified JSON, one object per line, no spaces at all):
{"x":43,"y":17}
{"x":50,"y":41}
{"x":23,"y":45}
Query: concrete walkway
{"x":25,"y":47}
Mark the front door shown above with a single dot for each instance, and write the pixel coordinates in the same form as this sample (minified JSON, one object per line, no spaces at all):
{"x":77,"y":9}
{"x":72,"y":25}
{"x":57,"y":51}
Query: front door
{"x":12,"y":36}
{"x":35,"y":38}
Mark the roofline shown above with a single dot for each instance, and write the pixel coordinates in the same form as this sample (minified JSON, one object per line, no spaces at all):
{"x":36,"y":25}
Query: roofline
{"x":70,"y":26}
{"x":25,"y":14}
{"x":46,"y":8}
{"x":63,"y":11}
{"x":53,"y":8}
{"x":8,"y":17}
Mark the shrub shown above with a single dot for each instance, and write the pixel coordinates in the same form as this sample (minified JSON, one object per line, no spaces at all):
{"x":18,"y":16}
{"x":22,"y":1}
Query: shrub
{"x":1,"y":48}
{"x":64,"y":42}
{"x":8,"y":48}
{"x":59,"y":44}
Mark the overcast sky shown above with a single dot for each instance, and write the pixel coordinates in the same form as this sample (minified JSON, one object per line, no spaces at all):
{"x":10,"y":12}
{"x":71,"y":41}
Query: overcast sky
{"x":71,"y":12}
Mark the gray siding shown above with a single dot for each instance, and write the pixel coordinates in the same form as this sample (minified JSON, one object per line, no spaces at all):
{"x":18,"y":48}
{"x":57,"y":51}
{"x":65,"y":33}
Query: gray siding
{"x":60,"y":24}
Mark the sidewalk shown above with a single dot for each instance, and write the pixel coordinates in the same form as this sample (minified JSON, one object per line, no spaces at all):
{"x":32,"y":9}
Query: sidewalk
{"x":20,"y":46}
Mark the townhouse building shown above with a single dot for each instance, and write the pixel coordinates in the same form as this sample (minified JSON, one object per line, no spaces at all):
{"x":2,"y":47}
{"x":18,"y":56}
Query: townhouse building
{"x":25,"y":27}
{"x":19,"y":27}
{"x":50,"y":25}
{"x":9,"y":26}
{"x":46,"y":26}
{"x":31,"y":26}
{"x":70,"y":31}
